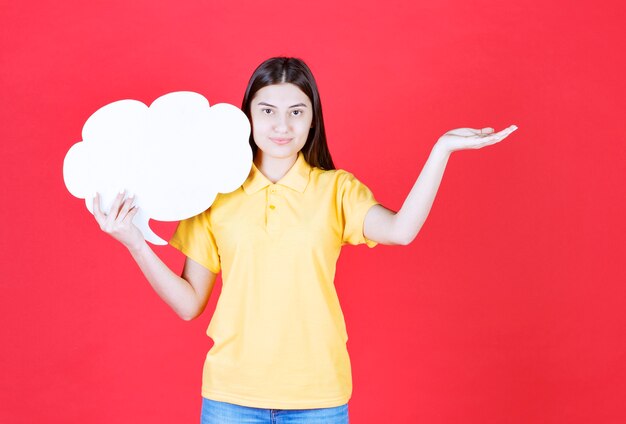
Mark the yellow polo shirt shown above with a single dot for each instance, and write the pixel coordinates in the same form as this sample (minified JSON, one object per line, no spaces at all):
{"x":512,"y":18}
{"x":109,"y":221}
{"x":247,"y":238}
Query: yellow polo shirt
{"x":278,"y":330}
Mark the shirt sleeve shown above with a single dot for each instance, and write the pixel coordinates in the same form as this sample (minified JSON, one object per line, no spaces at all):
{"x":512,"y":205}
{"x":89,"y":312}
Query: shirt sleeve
{"x":194,"y":237}
{"x":356,"y":200}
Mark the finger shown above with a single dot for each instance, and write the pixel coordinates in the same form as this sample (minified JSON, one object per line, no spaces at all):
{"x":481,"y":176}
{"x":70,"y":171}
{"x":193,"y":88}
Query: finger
{"x":473,"y":132}
{"x":480,"y":132}
{"x":463,"y":132}
{"x":506,"y":132}
{"x":509,"y":130}
{"x":131,"y":214}
{"x":125,"y":207}
{"x":115,"y":208}
{"x":97,"y":212}
{"x":502,"y":134}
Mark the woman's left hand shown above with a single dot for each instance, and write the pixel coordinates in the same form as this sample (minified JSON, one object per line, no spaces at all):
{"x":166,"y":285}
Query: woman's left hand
{"x":470,"y":138}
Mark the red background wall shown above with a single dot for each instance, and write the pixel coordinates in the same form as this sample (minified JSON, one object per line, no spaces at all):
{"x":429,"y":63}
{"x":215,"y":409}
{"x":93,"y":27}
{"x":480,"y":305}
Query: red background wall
{"x":507,"y":308}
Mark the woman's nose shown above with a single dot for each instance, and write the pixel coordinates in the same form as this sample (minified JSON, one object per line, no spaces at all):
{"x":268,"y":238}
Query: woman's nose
{"x":280,"y":126}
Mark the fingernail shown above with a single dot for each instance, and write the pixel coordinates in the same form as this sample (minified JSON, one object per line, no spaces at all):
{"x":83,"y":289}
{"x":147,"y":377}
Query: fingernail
{"x":131,"y":195}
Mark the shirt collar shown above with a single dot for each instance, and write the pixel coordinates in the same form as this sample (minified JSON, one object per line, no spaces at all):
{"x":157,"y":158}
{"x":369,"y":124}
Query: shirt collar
{"x":296,"y":178}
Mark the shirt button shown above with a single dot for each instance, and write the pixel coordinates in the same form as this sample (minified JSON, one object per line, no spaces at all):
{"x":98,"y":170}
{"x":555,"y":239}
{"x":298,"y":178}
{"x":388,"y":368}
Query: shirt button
{"x":272,"y":207}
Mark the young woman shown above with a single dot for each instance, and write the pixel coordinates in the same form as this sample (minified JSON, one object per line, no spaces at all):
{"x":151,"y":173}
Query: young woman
{"x":279,"y":336}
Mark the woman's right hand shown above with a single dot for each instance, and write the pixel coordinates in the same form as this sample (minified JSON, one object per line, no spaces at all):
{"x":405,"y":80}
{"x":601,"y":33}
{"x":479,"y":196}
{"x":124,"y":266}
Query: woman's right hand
{"x":118,"y":223}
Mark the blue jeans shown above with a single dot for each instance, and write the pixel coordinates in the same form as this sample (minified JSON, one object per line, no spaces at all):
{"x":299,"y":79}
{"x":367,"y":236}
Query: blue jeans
{"x":214,"y":412}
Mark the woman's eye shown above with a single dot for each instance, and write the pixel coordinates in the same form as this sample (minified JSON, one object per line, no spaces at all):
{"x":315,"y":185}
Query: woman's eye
{"x":266,"y":111}
{"x":296,"y":112}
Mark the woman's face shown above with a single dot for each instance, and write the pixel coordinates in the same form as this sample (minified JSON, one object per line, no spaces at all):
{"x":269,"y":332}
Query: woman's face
{"x":281,"y":119}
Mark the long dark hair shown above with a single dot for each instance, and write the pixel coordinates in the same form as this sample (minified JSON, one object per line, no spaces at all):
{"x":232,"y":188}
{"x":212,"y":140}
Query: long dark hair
{"x":279,"y":70}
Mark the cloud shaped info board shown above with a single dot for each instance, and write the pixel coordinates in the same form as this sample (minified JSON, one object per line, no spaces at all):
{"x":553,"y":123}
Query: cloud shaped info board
{"x":174,"y":156}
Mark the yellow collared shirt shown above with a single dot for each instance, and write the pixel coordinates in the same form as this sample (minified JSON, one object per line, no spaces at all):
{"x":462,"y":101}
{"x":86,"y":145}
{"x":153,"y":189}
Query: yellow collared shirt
{"x":278,"y":329}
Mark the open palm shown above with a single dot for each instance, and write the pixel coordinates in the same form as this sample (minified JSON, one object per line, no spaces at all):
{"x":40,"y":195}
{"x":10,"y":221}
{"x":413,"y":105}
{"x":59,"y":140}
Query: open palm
{"x":471,"y":138}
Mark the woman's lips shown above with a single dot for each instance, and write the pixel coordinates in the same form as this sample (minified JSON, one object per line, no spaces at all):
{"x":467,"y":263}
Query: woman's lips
{"x":280,"y":140}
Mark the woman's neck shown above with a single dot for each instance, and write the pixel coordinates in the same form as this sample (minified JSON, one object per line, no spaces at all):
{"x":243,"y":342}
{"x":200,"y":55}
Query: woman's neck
{"x":274,"y":168}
